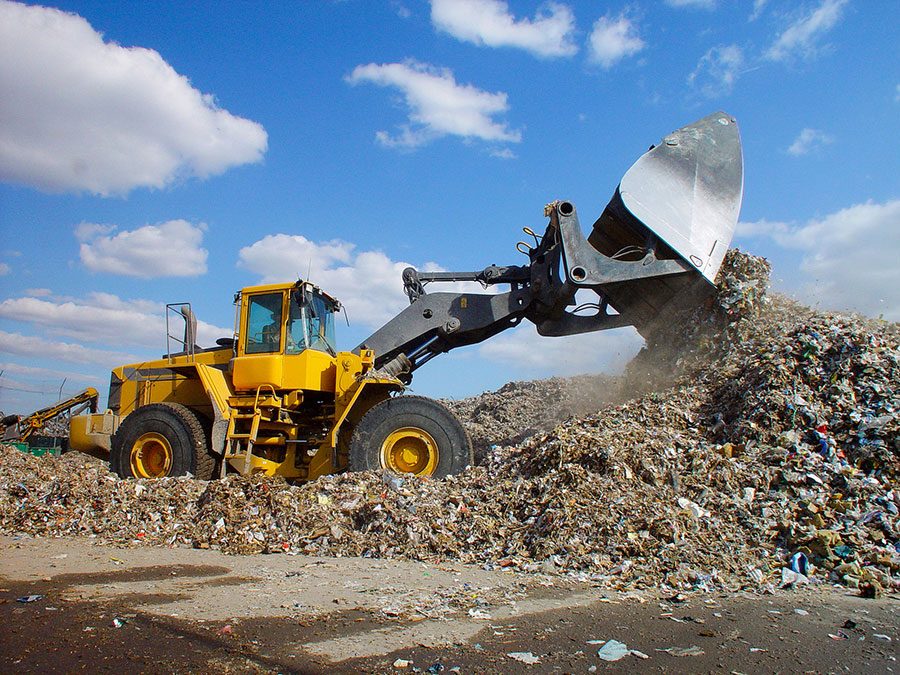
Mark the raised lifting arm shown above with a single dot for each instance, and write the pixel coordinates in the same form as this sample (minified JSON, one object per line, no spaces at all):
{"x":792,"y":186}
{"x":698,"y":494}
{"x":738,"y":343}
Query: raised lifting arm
{"x":656,"y":247}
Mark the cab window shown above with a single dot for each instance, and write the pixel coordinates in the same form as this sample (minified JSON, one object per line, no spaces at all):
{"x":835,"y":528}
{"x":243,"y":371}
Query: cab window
{"x":310,"y":325}
{"x":264,"y":324}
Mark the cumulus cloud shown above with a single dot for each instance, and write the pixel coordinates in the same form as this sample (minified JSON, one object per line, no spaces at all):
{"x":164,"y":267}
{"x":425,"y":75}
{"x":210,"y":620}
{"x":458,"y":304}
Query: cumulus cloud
{"x":438,"y":106}
{"x":489,"y":23}
{"x":33,"y":372}
{"x":51,"y":350}
{"x":101,"y":319}
{"x":535,"y":356}
{"x":717,"y":71}
{"x":809,"y":140}
{"x":84,"y":115}
{"x":800,"y":38}
{"x":368,"y":283}
{"x":4,"y":269}
{"x":849,"y":257}
{"x":612,"y":39}
{"x":170,"y":249}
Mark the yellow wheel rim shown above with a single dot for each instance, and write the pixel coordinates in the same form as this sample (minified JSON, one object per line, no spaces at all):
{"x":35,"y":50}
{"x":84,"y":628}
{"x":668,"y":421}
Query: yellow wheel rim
{"x":410,"y":450}
{"x":151,"y":456}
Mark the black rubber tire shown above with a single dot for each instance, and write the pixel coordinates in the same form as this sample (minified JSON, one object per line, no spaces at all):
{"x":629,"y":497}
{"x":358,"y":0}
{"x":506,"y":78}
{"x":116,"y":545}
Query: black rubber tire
{"x":180,"y":427}
{"x":452,"y":439}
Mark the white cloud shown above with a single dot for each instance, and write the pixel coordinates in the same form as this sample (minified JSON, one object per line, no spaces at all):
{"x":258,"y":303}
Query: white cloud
{"x":702,"y":4}
{"x":170,"y":249}
{"x":368,"y":283}
{"x":800,"y":38}
{"x":4,"y":269}
{"x":717,"y":71}
{"x":850,"y":257}
{"x":535,"y":356}
{"x":897,"y":94}
{"x":400,"y":9}
{"x":33,"y":372}
{"x":760,"y":228}
{"x":758,"y":6}
{"x":438,"y":105}
{"x":103,"y":319}
{"x":809,"y":140}
{"x":80,"y":114}
{"x":504,"y":153}
{"x":51,"y":350}
{"x":612,"y":39}
{"x":489,"y":23}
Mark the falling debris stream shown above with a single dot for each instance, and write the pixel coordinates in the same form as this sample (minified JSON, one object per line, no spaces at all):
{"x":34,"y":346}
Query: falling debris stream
{"x":752,"y":444}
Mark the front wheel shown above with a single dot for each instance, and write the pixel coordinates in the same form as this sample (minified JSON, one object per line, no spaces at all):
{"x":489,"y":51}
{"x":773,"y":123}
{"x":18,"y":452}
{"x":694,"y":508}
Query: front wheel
{"x":161,"y":439}
{"x":410,"y":435}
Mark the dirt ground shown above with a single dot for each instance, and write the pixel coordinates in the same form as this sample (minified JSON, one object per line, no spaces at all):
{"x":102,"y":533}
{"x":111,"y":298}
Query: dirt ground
{"x":158,"y":610}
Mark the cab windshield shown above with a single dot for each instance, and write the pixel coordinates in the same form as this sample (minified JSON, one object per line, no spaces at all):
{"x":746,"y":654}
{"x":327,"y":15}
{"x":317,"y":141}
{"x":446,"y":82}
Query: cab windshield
{"x":310,"y":325}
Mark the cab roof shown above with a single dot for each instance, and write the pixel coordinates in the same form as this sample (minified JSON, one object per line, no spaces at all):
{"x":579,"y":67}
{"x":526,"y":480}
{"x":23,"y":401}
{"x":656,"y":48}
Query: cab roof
{"x":274,"y":288}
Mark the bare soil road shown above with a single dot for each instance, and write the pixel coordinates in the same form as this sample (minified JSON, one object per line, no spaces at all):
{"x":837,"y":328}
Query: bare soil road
{"x":156,"y":610}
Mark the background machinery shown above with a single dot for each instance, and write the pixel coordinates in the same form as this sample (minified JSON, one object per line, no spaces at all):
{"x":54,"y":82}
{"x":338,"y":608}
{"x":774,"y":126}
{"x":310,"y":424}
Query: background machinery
{"x":278,"y":397}
{"x":24,"y":432}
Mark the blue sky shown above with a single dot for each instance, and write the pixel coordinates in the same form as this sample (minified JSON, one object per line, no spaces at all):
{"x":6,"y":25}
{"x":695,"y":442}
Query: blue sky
{"x":155,"y":152}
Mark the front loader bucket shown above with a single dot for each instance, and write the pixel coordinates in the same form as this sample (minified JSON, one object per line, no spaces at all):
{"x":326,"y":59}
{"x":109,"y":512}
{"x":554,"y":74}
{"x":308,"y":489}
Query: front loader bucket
{"x":680,"y":201}
{"x":687,"y":191}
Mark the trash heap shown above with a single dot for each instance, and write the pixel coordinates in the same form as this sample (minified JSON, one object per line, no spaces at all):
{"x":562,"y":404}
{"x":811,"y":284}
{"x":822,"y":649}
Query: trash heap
{"x":519,"y":410}
{"x":767,"y":433}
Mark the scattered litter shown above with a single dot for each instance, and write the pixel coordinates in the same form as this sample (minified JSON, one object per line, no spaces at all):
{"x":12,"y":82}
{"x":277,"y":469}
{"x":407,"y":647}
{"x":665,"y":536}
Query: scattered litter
{"x":801,"y":612}
{"x":882,"y":636}
{"x":524,"y":657}
{"x":693,"y":650}
{"x":29,"y":598}
{"x":799,"y":563}
{"x":613,"y":650}
{"x":790,"y":577}
{"x":401,"y":663}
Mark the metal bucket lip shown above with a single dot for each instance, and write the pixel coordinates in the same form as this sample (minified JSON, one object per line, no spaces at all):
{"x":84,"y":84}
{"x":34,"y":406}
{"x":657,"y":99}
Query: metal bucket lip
{"x":688,"y":190}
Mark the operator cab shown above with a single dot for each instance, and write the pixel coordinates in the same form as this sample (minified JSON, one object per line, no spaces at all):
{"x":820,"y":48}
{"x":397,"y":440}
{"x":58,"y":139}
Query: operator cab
{"x":309,"y":325}
{"x":286,"y":337}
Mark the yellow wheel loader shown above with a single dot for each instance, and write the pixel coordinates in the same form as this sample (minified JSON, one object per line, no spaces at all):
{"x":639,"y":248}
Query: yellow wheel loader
{"x":278,"y":398}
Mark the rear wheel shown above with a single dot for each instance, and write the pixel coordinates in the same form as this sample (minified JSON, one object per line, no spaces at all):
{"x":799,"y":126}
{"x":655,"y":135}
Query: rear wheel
{"x":161,"y":439}
{"x":410,"y":435}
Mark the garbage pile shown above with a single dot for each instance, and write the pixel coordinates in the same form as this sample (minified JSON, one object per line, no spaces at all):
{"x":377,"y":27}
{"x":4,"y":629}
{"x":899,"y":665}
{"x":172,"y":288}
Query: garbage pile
{"x":769,"y":454}
{"x":519,"y":410}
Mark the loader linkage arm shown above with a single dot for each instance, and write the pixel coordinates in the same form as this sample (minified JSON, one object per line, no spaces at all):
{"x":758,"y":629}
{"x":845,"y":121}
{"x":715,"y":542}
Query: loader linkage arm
{"x":656,"y":248}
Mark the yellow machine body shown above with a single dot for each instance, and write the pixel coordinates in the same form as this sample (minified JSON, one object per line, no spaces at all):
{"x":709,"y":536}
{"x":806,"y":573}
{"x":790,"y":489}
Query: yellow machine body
{"x":277,"y":400}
